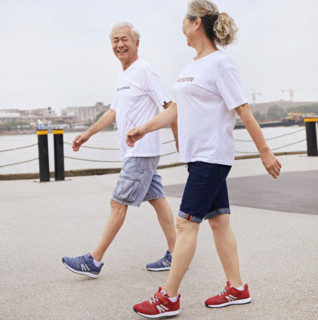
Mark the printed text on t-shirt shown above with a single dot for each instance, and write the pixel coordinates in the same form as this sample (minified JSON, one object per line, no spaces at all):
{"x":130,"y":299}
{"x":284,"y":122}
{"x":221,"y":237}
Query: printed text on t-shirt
{"x":123,"y":88}
{"x":186,"y":79}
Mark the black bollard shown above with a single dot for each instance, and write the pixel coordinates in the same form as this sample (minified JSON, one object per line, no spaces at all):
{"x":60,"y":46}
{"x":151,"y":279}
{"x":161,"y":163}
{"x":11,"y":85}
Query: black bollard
{"x":311,"y":134}
{"x":58,"y":154}
{"x":43,"y":155}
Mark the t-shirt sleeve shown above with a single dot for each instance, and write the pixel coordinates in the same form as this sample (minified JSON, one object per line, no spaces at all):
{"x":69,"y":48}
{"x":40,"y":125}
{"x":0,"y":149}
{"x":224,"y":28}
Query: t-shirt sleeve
{"x":155,"y":88}
{"x":113,"y":104}
{"x":230,"y":88}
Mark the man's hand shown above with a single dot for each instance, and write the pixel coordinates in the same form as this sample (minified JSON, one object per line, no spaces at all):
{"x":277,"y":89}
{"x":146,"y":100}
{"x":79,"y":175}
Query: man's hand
{"x":271,"y":163}
{"x":135,"y":134}
{"x":79,"y":140}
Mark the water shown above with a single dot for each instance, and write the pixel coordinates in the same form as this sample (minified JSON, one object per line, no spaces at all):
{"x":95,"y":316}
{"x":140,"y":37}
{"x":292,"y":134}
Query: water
{"x":108,"y":139}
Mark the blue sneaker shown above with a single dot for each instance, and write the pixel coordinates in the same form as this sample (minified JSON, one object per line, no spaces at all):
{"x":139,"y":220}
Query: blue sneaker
{"x":161,"y":265}
{"x":83,"y":265}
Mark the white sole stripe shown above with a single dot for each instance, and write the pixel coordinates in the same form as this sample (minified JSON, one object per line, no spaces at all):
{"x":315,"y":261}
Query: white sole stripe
{"x":90,"y":275}
{"x":159,"y":269}
{"x":241,"y":301}
{"x":160,"y":315}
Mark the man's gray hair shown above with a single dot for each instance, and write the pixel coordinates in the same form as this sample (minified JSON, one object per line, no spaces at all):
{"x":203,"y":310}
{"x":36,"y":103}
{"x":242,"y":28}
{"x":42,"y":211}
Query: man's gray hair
{"x":134,"y":32}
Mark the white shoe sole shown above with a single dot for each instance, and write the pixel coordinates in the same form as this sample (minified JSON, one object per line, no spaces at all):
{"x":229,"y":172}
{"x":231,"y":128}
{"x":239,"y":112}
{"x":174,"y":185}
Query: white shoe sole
{"x":158,"y":269}
{"x":242,"y":301}
{"x":90,"y":275}
{"x":164,"y":314}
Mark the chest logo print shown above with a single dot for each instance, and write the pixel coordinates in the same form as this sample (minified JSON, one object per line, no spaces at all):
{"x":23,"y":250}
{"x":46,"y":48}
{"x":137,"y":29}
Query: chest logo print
{"x":123,"y":88}
{"x":186,"y":79}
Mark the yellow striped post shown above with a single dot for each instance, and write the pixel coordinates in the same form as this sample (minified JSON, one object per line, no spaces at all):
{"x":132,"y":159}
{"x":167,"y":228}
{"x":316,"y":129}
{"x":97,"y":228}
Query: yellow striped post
{"x":43,"y":155}
{"x":311,"y":120}
{"x":311,"y":135}
{"x":58,"y":154}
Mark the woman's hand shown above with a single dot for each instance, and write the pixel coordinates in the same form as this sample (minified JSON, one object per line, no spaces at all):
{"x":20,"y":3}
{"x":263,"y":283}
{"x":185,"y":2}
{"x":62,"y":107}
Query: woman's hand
{"x":134,"y":135}
{"x":271,"y":163}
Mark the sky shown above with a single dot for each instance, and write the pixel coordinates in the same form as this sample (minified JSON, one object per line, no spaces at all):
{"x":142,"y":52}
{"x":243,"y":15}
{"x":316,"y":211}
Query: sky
{"x":57,"y":53}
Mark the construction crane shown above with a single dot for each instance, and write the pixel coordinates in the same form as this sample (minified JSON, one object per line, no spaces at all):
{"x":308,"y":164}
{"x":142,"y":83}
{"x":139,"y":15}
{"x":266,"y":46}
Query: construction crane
{"x":291,"y":93}
{"x":254,"y":94}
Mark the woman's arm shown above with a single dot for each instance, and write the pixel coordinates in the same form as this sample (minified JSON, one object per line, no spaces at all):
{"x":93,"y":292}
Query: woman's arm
{"x":270,"y":162}
{"x":164,"y":118}
{"x":173,"y":125}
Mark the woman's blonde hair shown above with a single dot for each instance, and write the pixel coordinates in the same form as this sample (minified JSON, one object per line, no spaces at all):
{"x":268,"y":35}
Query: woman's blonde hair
{"x":219,"y":27}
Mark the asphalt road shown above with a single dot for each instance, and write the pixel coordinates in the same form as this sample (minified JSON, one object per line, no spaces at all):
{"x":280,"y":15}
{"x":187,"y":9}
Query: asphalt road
{"x":294,"y":192}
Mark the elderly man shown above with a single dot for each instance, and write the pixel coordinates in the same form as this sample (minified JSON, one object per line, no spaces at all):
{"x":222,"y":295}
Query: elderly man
{"x":139,"y":94}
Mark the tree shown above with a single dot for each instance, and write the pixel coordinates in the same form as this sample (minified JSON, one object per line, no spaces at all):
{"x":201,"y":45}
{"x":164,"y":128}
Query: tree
{"x":275,"y":112}
{"x":99,"y":115}
{"x":259,"y":116}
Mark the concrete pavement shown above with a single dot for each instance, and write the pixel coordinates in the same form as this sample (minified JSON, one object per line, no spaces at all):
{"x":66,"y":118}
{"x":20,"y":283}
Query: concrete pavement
{"x":41,"y":222}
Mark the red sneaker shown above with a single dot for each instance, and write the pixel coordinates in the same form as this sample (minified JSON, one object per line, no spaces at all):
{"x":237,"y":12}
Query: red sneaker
{"x":229,"y":296}
{"x":158,"y":306}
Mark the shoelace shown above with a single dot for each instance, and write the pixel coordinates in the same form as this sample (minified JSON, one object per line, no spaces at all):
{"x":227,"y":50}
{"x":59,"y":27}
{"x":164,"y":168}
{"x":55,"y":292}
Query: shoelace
{"x":80,"y":259}
{"x":153,"y":299}
{"x":165,"y":260}
{"x":222,"y":292}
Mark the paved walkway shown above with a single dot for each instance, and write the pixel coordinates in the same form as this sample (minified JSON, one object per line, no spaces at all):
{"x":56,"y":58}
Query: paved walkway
{"x":41,"y":222}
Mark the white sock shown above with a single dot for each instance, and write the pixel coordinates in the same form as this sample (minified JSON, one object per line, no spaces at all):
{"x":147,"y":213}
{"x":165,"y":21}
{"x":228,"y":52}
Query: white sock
{"x":164,"y":293}
{"x":97,"y":263}
{"x":240,"y":288}
{"x":174,"y":299}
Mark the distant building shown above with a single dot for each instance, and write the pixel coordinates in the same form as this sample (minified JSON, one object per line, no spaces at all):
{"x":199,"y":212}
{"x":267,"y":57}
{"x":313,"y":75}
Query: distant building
{"x":84,"y":114}
{"x":6,"y":116}
{"x":32,"y":114}
{"x":70,"y":118}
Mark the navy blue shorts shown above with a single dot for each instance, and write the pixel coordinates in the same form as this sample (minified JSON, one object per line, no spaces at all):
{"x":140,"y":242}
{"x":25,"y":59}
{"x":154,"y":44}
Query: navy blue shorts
{"x":205,"y":194}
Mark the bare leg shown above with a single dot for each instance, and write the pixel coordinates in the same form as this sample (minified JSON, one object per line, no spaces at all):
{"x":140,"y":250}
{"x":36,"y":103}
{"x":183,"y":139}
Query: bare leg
{"x":166,"y":221}
{"x":183,"y":253}
{"x":113,"y":224}
{"x":225,"y":244}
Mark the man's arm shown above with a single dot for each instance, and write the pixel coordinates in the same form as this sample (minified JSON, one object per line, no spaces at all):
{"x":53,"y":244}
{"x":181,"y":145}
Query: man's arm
{"x":270,"y":162}
{"x":163,"y":119}
{"x":173,"y":125}
{"x":103,"y":122}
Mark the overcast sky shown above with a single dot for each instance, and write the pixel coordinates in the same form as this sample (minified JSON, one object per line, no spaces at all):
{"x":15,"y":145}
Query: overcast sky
{"x":57,"y":52}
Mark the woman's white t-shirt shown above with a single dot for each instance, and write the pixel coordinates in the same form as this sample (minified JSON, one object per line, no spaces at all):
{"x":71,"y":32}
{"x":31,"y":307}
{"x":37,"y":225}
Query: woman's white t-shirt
{"x":206,"y":93}
{"x":140,"y":93}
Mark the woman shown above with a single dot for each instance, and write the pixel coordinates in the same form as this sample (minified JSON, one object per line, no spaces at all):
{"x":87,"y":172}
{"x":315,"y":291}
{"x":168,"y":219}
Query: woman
{"x":208,"y":94}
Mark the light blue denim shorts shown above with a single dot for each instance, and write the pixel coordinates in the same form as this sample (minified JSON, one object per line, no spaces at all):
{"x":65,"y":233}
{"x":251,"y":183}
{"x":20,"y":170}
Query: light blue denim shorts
{"x":138,"y":181}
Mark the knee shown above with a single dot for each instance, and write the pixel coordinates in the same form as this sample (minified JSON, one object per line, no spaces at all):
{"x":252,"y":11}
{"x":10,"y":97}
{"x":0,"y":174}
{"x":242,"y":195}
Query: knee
{"x":219,"y":223}
{"x":117,"y":208}
{"x":186,"y":225}
{"x":156,"y":202}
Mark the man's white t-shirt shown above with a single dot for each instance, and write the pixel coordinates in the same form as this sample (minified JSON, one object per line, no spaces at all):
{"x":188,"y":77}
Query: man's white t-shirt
{"x":140,"y":93}
{"x":206,"y":93}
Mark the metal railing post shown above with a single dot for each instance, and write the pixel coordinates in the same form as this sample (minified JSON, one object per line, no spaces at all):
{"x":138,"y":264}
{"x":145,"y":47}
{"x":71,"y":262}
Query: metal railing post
{"x":43,"y":155}
{"x":311,"y":135}
{"x":59,"y":154}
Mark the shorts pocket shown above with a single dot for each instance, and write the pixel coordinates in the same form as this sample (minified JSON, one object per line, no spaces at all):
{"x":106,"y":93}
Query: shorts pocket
{"x":127,"y":188}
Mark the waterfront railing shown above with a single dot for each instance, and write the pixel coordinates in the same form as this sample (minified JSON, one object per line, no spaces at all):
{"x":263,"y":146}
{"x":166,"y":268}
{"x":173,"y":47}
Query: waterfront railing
{"x":311,"y":137}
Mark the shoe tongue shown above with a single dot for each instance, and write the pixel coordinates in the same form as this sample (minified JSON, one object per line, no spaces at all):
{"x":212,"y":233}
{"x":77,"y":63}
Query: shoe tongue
{"x":227,"y":287}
